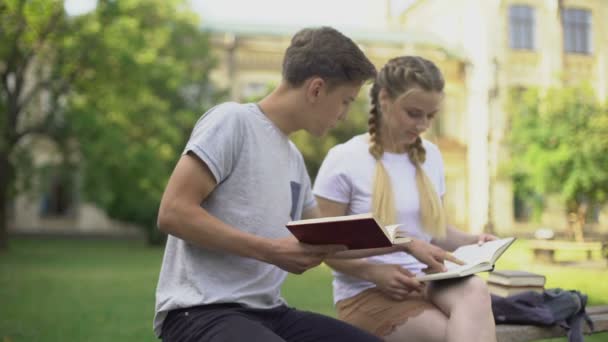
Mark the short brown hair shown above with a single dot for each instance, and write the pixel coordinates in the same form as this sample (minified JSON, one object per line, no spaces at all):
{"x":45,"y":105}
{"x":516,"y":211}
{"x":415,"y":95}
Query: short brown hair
{"x":326,"y":53}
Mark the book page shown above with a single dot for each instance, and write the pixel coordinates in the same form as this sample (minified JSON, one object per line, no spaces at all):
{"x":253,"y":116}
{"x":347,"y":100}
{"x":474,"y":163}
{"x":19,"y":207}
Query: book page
{"x":397,"y":235}
{"x":393,"y":231}
{"x":477,"y":258}
{"x":476,"y":254}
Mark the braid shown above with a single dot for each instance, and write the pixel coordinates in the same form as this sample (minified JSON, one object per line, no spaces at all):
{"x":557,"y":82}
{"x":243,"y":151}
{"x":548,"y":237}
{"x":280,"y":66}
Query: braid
{"x":398,"y":76}
{"x":375,"y":148}
{"x":416,"y":152}
{"x":383,"y":203}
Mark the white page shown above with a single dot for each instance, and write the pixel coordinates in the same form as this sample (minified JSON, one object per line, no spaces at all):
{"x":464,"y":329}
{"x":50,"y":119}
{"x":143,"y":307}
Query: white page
{"x":475,"y":254}
{"x":394,"y":231}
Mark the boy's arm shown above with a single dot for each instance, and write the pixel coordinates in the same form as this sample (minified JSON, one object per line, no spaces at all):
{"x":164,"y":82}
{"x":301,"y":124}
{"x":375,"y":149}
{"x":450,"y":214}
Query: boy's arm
{"x":428,"y":254}
{"x":181,"y":215}
{"x":396,"y":282}
{"x":327,"y":208}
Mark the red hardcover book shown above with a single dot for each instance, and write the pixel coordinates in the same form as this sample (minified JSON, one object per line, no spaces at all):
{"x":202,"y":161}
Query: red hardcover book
{"x":354,"y":231}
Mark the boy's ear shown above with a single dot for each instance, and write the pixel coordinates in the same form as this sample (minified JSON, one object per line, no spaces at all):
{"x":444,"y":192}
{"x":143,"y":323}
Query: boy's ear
{"x":314,"y":88}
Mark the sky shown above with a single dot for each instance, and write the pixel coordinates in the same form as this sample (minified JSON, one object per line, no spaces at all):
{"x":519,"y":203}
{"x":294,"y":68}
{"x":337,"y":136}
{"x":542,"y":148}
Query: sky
{"x":339,"y":13}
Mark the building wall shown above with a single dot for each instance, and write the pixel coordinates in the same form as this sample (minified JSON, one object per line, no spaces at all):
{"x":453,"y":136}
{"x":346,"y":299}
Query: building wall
{"x":461,"y":24}
{"x":248,"y":60}
{"x":79,"y":217}
{"x":254,"y":56}
{"x":481,"y":29}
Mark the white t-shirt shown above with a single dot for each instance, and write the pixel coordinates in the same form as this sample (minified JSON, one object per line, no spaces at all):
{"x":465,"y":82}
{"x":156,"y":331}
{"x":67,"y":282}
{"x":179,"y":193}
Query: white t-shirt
{"x":347,"y":175}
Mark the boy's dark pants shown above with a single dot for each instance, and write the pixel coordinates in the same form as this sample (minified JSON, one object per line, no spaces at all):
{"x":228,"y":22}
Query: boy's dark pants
{"x":233,"y":322}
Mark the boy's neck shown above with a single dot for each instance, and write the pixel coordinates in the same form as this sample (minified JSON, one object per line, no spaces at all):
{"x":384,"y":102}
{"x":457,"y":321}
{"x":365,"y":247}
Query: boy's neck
{"x":284,"y":108}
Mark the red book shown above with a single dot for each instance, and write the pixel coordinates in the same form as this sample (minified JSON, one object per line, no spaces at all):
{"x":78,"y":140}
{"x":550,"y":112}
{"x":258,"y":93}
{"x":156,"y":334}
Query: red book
{"x":354,"y":231}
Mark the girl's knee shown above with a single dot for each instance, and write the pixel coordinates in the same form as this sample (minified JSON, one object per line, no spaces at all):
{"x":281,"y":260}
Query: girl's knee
{"x":476,"y":293}
{"x":430,"y":326}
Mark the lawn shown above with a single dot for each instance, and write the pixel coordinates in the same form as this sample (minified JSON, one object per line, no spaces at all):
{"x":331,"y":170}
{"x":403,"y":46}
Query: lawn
{"x":85,"y":290}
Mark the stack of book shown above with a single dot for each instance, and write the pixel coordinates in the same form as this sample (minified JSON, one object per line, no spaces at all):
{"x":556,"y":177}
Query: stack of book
{"x":508,"y":282}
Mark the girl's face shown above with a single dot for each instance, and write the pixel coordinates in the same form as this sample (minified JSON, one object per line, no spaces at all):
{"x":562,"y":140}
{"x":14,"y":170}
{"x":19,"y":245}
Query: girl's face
{"x":406,"y":117}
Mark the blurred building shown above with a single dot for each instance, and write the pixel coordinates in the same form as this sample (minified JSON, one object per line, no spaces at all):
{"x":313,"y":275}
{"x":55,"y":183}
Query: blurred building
{"x":249,"y":62}
{"x":485,"y":48}
{"x":250,"y":57}
{"x":510,"y":45}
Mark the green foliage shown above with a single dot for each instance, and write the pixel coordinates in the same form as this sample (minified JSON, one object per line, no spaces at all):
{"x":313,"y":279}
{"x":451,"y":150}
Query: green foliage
{"x":559,"y":139}
{"x":122,"y":87}
{"x":148,"y":84}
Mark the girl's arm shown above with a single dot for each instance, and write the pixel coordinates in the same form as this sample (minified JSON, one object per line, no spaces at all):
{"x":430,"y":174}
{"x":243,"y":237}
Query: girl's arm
{"x":456,"y":238}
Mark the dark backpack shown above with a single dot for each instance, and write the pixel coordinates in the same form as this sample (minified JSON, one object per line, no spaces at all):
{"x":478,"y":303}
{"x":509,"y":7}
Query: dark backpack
{"x":552,"y":307}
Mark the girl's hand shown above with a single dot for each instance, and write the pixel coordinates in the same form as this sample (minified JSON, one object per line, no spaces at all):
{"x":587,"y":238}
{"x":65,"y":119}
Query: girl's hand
{"x":430,"y":255}
{"x":394,"y":280}
{"x":483,"y":237}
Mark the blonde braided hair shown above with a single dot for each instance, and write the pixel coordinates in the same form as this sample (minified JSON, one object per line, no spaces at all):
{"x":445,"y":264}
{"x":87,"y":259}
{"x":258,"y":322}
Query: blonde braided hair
{"x":399,"y":76}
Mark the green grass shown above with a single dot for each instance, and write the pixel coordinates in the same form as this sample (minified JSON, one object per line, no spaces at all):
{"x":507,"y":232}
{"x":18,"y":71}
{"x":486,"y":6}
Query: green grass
{"x":72,"y":290}
{"x":83,"y":290}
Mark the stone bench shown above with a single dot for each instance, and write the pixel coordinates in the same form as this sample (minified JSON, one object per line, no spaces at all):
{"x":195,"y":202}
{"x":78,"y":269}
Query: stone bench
{"x":524,"y":333}
{"x":544,"y":250}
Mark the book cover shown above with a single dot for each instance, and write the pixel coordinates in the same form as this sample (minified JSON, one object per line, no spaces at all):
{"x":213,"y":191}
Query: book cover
{"x":505,"y":290}
{"x":354,"y":231}
{"x":477,"y":258}
{"x":516,"y":278}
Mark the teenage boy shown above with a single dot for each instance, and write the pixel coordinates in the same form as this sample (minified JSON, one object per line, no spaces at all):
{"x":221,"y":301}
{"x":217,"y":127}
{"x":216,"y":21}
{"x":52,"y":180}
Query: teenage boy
{"x":239,"y":181}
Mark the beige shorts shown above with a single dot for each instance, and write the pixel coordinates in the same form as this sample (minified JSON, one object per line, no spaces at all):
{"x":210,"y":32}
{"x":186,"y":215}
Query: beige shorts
{"x":377,"y":313}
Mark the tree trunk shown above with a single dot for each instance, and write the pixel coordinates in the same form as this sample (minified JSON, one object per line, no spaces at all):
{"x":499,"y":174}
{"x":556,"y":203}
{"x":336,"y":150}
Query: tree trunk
{"x":5,"y":178}
{"x":581,"y":220}
{"x":577,"y":215}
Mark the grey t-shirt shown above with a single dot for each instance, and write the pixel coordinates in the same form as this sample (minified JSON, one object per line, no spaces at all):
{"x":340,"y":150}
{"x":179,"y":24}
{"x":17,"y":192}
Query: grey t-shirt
{"x":262,"y":184}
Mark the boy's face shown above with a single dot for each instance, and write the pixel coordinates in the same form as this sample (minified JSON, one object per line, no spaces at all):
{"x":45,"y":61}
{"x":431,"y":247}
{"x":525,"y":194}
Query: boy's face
{"x":330,"y":106}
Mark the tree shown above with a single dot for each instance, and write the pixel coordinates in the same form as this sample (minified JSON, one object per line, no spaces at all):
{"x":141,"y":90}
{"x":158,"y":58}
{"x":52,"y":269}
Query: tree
{"x":559,"y":141}
{"x":117,"y":90}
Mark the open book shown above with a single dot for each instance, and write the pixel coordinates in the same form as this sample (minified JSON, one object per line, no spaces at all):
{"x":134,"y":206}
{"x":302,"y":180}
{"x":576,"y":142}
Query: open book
{"x":477,"y":258}
{"x":354,"y":231}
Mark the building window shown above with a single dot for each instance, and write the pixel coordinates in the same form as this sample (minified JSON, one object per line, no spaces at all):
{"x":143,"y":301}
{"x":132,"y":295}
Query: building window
{"x":521,"y":27}
{"x":577,"y":30}
{"x":57,"y":201}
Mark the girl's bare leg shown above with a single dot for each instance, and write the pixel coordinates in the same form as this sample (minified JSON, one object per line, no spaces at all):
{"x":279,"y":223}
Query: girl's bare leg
{"x":429,"y":326}
{"x":467,"y":304}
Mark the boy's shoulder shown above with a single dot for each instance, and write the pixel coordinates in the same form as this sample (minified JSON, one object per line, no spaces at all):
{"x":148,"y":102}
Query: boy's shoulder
{"x":228,"y":114}
{"x":234,"y":109}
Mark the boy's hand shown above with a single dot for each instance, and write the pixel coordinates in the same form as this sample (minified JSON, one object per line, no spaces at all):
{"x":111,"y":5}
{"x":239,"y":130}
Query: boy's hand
{"x":295,"y":257}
